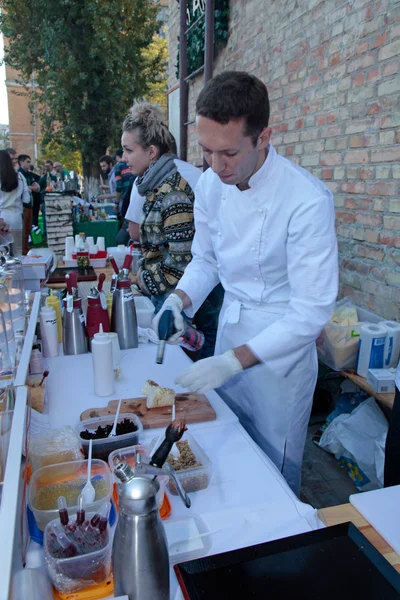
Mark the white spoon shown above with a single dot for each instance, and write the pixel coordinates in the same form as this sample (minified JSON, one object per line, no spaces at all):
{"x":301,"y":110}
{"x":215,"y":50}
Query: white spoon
{"x":114,"y":429}
{"x":88,"y":490}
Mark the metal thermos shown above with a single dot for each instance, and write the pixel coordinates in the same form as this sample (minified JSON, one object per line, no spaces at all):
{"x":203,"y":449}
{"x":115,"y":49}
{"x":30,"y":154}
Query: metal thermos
{"x":74,"y":329}
{"x":140,"y":552}
{"x":123,"y":312}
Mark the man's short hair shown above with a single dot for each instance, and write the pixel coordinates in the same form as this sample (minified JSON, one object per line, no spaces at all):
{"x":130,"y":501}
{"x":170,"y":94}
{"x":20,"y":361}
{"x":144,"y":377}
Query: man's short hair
{"x":49,"y":162}
{"x":233,"y":95}
{"x":11,"y":151}
{"x":107,"y":159}
{"x":119,"y":152}
{"x":23,"y":157}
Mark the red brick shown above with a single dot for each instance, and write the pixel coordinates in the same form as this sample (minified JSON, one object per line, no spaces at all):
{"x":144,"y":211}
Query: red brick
{"x":366,"y":173}
{"x":330,"y":159}
{"x":365,"y":203}
{"x":373,"y":108}
{"x":299,"y":123}
{"x":371,"y":252}
{"x":356,"y":187}
{"x":335,"y":59}
{"x":368,"y":219}
{"x":374,"y":74}
{"x":389,"y":238}
{"x":327,"y":173}
{"x":283,"y":127}
{"x":381,"y":189}
{"x":289,"y":150}
{"x":332,"y":131}
{"x":350,"y":203}
{"x":379,"y":40}
{"x":294,"y":64}
{"x":356,"y":141}
{"x":320,"y":120}
{"x":361,"y":48}
{"x":358,"y":79}
{"x":391,"y":68}
{"x":344,"y":217}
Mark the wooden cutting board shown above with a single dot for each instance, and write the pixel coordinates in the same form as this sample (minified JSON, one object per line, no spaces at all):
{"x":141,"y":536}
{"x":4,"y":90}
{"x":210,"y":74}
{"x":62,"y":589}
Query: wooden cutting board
{"x":193,"y":408}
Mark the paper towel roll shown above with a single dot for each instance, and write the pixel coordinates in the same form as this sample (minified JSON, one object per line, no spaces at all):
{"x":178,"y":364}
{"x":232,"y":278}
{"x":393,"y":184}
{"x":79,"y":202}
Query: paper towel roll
{"x":392,"y":349}
{"x":371,"y":348}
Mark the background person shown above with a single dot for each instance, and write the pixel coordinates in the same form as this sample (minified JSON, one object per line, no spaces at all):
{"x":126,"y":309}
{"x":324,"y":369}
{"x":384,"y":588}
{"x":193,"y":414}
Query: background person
{"x":13,"y":194}
{"x":265,"y":228}
{"x":24,"y":161}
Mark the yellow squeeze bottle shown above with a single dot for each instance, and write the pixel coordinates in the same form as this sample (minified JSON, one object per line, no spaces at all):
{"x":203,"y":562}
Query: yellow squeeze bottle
{"x":54,"y":302}
{"x":109,"y":303}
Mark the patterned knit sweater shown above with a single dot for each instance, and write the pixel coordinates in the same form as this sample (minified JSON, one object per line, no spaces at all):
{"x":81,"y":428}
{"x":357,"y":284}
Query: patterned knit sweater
{"x":166,"y":232}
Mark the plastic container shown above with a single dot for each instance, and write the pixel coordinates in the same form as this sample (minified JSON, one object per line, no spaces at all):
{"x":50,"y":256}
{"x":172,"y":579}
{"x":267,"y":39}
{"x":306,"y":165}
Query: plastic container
{"x":128,"y":455}
{"x":144,"y":311}
{"x":53,"y":446}
{"x":195,"y":478}
{"x":119,"y":253}
{"x":79,"y":572}
{"x":187,"y":539}
{"x":101,"y":448}
{"x":98,"y":263}
{"x":72,"y":476}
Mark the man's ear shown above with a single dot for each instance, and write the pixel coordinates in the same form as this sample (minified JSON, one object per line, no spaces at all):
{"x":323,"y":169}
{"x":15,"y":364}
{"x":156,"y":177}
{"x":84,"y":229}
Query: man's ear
{"x":263,"y":138}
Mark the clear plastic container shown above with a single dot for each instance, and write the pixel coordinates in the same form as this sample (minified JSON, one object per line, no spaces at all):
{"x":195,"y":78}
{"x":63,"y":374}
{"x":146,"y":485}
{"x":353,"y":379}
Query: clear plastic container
{"x":128,"y":455}
{"x":101,"y":448}
{"x":70,"y":575}
{"x":144,"y":311}
{"x":67,"y":479}
{"x":52,"y":446}
{"x":187,"y":538}
{"x":195,"y":478}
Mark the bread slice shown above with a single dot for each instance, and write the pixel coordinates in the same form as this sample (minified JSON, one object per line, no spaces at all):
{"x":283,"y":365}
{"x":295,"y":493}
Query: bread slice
{"x":157,"y":396}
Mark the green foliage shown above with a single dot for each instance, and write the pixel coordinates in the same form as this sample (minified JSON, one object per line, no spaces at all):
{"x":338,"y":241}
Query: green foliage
{"x":196,"y":36}
{"x":4,"y":137}
{"x":156,"y":58}
{"x":88,"y":61}
{"x":70,"y":159}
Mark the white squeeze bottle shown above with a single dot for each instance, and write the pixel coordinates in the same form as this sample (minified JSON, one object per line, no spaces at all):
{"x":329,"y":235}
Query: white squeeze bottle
{"x":48,"y":331}
{"x":103,"y":369}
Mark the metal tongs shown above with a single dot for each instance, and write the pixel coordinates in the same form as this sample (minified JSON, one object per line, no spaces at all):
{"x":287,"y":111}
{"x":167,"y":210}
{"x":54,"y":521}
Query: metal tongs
{"x":156,"y":465}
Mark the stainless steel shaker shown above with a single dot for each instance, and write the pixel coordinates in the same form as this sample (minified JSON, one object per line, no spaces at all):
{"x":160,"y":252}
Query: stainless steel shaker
{"x":123,"y":311}
{"x":140,"y":553}
{"x":75,"y":339}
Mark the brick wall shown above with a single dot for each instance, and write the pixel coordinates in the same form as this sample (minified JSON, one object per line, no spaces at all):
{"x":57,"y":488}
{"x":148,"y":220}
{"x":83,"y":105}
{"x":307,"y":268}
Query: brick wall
{"x":332,"y":71}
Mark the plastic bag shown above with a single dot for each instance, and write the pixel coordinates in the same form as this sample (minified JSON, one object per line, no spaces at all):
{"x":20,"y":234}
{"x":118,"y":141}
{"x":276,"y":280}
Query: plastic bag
{"x":338,"y":343}
{"x":357,"y":440}
{"x":53,"y":446}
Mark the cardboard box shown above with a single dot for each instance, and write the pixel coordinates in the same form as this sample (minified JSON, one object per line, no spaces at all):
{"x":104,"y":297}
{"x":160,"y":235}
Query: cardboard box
{"x":382,"y":380}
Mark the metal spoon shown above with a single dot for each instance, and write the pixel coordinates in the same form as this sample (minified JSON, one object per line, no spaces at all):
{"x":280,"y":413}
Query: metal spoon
{"x":88,"y":490}
{"x":114,"y":428}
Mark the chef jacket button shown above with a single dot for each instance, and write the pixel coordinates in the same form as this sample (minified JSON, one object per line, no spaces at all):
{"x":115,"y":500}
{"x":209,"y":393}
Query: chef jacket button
{"x":219,"y":233}
{"x":218,"y":265}
{"x":255,"y":278}
{"x":253,"y":249}
{"x":260,"y":210}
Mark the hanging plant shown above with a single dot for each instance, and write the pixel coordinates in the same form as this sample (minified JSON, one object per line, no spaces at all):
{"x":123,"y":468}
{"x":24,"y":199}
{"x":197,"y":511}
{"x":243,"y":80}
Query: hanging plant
{"x":196,"y":36}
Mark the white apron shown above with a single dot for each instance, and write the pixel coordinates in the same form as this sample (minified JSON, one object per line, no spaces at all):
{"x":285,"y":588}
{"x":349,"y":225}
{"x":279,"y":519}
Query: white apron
{"x":274,"y":410}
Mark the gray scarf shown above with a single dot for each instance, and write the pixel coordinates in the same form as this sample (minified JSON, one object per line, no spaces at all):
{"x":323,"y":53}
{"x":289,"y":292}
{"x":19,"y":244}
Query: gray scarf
{"x":158,"y":172}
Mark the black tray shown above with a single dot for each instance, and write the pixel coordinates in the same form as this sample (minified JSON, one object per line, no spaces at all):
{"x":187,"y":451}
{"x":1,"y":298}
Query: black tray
{"x":84,"y":274}
{"x":336,"y":563}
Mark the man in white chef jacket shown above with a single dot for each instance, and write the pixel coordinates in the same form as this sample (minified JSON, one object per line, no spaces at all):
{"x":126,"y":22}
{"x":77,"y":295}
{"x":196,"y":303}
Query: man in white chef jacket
{"x":265,"y":229}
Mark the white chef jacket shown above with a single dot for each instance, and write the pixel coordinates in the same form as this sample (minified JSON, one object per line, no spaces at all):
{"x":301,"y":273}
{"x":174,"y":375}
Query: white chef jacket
{"x":135,"y":210}
{"x":274,"y":246}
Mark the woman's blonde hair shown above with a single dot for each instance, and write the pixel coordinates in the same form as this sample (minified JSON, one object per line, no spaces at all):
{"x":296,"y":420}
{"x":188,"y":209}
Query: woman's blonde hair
{"x":148,"y":121}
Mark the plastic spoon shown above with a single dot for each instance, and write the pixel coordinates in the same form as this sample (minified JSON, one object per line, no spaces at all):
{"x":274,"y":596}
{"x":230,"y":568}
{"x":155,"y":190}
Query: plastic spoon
{"x":114,"y":428}
{"x":88,"y":491}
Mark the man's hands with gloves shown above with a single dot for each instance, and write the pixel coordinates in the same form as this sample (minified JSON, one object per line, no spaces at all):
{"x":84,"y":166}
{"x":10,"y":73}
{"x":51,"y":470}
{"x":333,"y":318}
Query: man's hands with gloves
{"x":209,"y":373}
{"x":174,"y":303}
